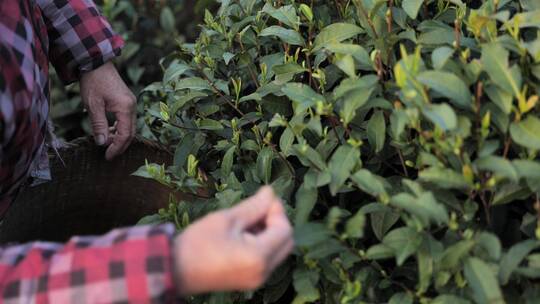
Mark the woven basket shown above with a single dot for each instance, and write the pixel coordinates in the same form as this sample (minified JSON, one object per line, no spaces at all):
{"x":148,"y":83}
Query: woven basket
{"x":88,"y":196}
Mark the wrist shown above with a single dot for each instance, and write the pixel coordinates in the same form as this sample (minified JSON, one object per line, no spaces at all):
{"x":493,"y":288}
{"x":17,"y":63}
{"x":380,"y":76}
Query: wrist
{"x":177,"y":266}
{"x":183,"y":281}
{"x":105,"y":67}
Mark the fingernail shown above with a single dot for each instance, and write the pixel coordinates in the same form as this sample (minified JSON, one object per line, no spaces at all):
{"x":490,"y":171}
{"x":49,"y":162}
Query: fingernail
{"x":100,"y":140}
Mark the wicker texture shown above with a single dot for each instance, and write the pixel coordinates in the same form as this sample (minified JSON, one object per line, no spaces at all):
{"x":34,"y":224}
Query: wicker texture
{"x":88,"y":196}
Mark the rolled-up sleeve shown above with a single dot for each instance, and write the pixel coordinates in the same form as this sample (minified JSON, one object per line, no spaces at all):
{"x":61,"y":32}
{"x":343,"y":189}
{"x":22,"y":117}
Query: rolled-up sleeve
{"x":80,"y":37}
{"x":132,"y":265}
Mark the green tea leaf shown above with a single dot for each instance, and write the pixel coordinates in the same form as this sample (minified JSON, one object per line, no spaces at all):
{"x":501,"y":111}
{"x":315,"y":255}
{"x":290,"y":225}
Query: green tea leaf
{"x":526,"y":133}
{"x":379,"y":251}
{"x":306,"y":198}
{"x":210,"y":124}
{"x":286,"y":141}
{"x":498,"y":165}
{"x":501,"y":98}
{"x":227,"y":163}
{"x":286,"y":35}
{"x":482,"y":282}
{"x":309,"y":156}
{"x":404,"y":241}
{"x":428,"y":253}
{"x":310,"y":234}
{"x":530,"y":5}
{"x":305,"y":282}
{"x":448,"y":85}
{"x":193,"y":83}
{"x":352,"y":102}
{"x":437,"y":36}
{"x":441,"y":115}
{"x":511,"y":260}
{"x":341,"y":164}
{"x":335,"y":33}
{"x":286,"y":72}
{"x":346,"y":64}
{"x":184,"y":99}
{"x":166,"y":19}
{"x":440,"y":56}
{"x":329,"y":248}
{"x":495,"y":62}
{"x":175,"y":70}
{"x":450,"y":299}
{"x":401,"y":298}
{"x":264,"y":164}
{"x":154,"y":219}
{"x":444,"y":178}
{"x":456,"y":253}
{"x":285,"y":14}
{"x":425,"y":207}
{"x":368,"y":182}
{"x":398,"y":122}
{"x":303,"y":96}
{"x":355,"y":50}
{"x":527,"y":168}
{"x":376,"y":131}
{"x":411,"y":7}
{"x":509,"y":193}
{"x":490,"y":243}
{"x":355,"y":225}
{"x":527,"y":19}
{"x":382,"y":221}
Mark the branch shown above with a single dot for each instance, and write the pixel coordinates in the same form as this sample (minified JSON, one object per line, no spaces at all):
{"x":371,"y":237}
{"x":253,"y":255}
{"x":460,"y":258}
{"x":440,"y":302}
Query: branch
{"x":360,"y":5}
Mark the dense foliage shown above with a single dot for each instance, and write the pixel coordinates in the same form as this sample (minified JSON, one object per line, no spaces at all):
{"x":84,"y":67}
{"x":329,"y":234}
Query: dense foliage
{"x":403,"y":136}
{"x":152,"y":29}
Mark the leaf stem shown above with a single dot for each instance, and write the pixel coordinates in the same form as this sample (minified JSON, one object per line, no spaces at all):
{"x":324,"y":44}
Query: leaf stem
{"x":507,"y":144}
{"x":283,"y":158}
{"x":362,"y":9}
{"x":251,"y":73}
{"x":487,"y":207}
{"x":334,"y":124}
{"x":217,"y":91}
{"x":402,"y":162}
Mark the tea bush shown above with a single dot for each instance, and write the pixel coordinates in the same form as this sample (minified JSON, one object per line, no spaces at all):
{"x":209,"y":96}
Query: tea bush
{"x":403,"y":136}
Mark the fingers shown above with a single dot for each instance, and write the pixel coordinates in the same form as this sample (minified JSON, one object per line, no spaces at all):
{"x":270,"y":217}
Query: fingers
{"x":107,"y":87}
{"x":122,"y":138}
{"x":276,"y":240}
{"x":275,"y":243}
{"x":125,"y":129}
{"x":281,"y":255}
{"x":98,"y":118}
{"x":254,"y":209}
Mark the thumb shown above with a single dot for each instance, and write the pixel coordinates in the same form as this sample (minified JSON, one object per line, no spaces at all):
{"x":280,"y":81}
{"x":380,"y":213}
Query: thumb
{"x":254,"y":209}
{"x":98,"y":119}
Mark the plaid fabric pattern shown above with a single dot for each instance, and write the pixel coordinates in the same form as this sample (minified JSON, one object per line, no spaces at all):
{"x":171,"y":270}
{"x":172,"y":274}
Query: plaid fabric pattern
{"x":125,"y":266}
{"x":24,"y":91}
{"x":75,"y":38}
{"x":81,"y":39}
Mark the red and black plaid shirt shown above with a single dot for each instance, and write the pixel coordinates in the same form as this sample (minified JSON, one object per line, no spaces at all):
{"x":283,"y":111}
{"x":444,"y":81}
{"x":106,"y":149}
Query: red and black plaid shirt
{"x":125,"y":266}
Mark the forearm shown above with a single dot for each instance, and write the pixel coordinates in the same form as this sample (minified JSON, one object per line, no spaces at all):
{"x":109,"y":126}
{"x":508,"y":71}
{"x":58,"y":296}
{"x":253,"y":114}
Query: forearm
{"x":126,"y":265}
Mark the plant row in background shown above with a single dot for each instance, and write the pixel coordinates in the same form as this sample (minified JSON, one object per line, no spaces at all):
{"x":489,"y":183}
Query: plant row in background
{"x":403,"y":136}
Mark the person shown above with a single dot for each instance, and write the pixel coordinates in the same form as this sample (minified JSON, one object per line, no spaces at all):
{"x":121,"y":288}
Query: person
{"x":147,"y":264}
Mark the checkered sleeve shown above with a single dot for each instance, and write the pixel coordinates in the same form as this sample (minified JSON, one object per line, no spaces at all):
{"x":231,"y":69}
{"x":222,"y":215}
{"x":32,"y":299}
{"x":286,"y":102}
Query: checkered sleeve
{"x":131,"y":265}
{"x":81,"y":39}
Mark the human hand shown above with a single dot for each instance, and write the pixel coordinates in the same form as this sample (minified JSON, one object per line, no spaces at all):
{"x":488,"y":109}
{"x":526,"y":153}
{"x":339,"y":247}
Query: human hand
{"x":102,"y":90}
{"x":234,"y":249}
